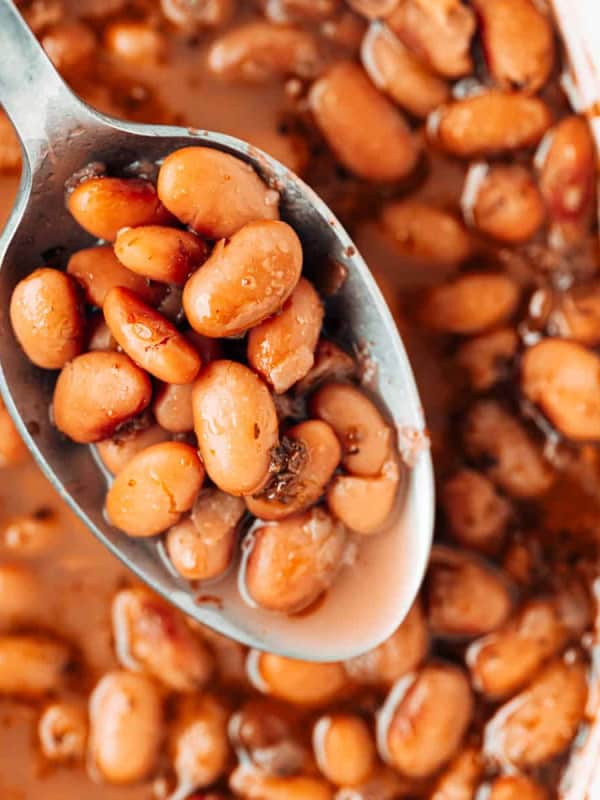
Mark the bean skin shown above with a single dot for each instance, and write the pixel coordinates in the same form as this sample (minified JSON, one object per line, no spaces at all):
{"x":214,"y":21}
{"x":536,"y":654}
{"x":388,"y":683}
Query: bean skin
{"x":563,"y":379}
{"x":304,"y":683}
{"x":154,"y":489}
{"x":231,"y":193}
{"x":46,"y":314}
{"x":125,"y":727}
{"x":102,"y":206}
{"x":32,"y":665}
{"x":360,"y":427}
{"x":293,"y":561}
{"x":344,"y":749}
{"x":97,"y":392}
{"x":172,"y":407}
{"x":386,"y":150}
{"x":98,"y":270}
{"x":160,"y":253}
{"x":150,"y":339}
{"x":62,"y":732}
{"x":477,"y":515}
{"x":236,"y":425}
{"x":281,"y":349}
{"x":246,"y":279}
{"x":117,"y":451}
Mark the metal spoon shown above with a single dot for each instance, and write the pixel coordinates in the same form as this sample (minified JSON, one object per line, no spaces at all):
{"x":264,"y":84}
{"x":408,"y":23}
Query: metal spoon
{"x":59,"y":135}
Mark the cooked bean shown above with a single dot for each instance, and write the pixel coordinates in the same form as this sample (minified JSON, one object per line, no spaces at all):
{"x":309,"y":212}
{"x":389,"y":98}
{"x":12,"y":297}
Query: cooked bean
{"x":511,"y":458}
{"x":32,"y":665}
{"x":344,"y":749}
{"x":160,"y":253}
{"x":541,"y":722}
{"x":150,"y":636}
{"x":366,"y":504}
{"x":198,"y":744}
{"x":489,"y":122}
{"x":202,"y":546}
{"x":331,"y":364}
{"x":577,"y":314}
{"x":320,"y":456}
{"x":465,"y":595}
{"x":10,"y":148}
{"x":125,"y":727}
{"x":460,"y":779}
{"x":47,"y":318}
{"x":98,"y":270}
{"x":252,"y":784}
{"x":470,"y":303}
{"x":486,"y":357}
{"x":360,"y":427}
{"x":172,"y":407}
{"x":426,"y":234}
{"x":97,"y":392}
{"x":477,"y":515}
{"x":13,"y":450}
{"x":516,"y":787}
{"x":134,"y":42}
{"x":400,"y":654}
{"x":566,"y":160}
{"x":518,"y":41}
{"x":214,"y":193}
{"x":305,"y":683}
{"x":102,"y":206}
{"x":383,"y":150}
{"x":62,"y":731}
{"x":563,"y":379}
{"x":150,"y":339}
{"x":424,"y":718}
{"x":299,"y":10}
{"x":288,"y":146}
{"x":345,"y":30}
{"x":506,"y":660}
{"x":32,"y":534}
{"x":281,"y":349}
{"x":293,"y":561}
{"x":236,"y":425}
{"x":155,"y":488}
{"x":127,"y":442}
{"x":246,"y":279}
{"x":99,"y":335}
{"x":258,"y":51}
{"x":20,"y":596}
{"x":69,"y":45}
{"x":197,"y":14}
{"x":503,"y":202}
{"x":397,"y":72}
{"x":439,"y":33}
{"x":383,"y":784}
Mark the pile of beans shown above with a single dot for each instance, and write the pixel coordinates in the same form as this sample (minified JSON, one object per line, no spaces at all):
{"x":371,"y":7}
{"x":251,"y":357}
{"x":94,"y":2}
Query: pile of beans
{"x":140,"y":327}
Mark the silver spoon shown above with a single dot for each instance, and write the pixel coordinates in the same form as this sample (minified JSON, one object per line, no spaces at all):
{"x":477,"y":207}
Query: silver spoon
{"x":59,"y":135}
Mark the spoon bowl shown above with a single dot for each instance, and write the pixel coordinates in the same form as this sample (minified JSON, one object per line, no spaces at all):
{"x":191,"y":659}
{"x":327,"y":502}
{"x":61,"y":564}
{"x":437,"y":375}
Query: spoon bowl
{"x":60,"y":135}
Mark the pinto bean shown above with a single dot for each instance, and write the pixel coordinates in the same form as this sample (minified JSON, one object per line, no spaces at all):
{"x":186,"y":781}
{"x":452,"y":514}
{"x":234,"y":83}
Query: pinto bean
{"x":299,"y":10}
{"x":304,"y":683}
{"x":62,"y":732}
{"x":291,"y":562}
{"x":33,"y":534}
{"x":374,"y":9}
{"x":331,"y":363}
{"x":470,"y":303}
{"x":102,"y":206}
{"x":460,"y":779}
{"x":344,"y":749}
{"x":540,"y":722}
{"x":127,"y":442}
{"x":13,"y":449}
{"x":32,"y":665}
{"x":154,"y":489}
{"x":231,"y":194}
{"x":477,"y":515}
{"x":252,"y":784}
{"x":516,"y":787}
{"x":486,"y":357}
{"x":397,"y":72}
{"x":198,"y":14}
{"x":99,"y":335}
{"x":47,"y":318}
{"x":69,"y":45}
{"x":424,"y":718}
{"x":385,"y":150}
{"x":489,"y":122}
{"x":97,"y":392}
{"x":160,"y":253}
{"x":134,"y":42}
{"x":20,"y":597}
{"x":246,"y":279}
{"x":236,"y":425}
{"x":576,"y":315}
{"x":172,"y":407}
{"x":563,"y":379}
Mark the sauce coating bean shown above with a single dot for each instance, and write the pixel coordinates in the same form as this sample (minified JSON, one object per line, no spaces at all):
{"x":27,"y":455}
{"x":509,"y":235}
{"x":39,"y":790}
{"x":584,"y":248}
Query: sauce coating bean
{"x":477,"y":515}
{"x":246,"y":279}
{"x":47,"y":318}
{"x":236,"y":425}
{"x":322,"y":454}
{"x":281,"y":349}
{"x":98,"y":270}
{"x":563,"y":379}
{"x":97,"y":392}
{"x":127,"y":442}
{"x":32,"y":665}
{"x":62,"y":731}
{"x":150,"y":339}
{"x":306,"y":683}
{"x":102,"y":206}
{"x":344,"y":749}
{"x":160,"y":253}
{"x":360,"y":427}
{"x":125,"y":727}
{"x":293,"y":561}
{"x":232,"y":194}
{"x":386,"y":150}
{"x":152,"y":637}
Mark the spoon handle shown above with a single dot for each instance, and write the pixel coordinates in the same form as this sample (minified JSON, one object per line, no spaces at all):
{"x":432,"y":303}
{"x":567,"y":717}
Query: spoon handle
{"x":34,"y":96}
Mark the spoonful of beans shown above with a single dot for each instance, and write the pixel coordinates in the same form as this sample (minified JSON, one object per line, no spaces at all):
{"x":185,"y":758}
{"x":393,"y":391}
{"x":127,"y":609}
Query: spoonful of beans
{"x":204,"y":368}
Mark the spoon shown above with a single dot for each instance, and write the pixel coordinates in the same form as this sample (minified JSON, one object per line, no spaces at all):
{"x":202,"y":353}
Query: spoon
{"x":59,"y":135}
